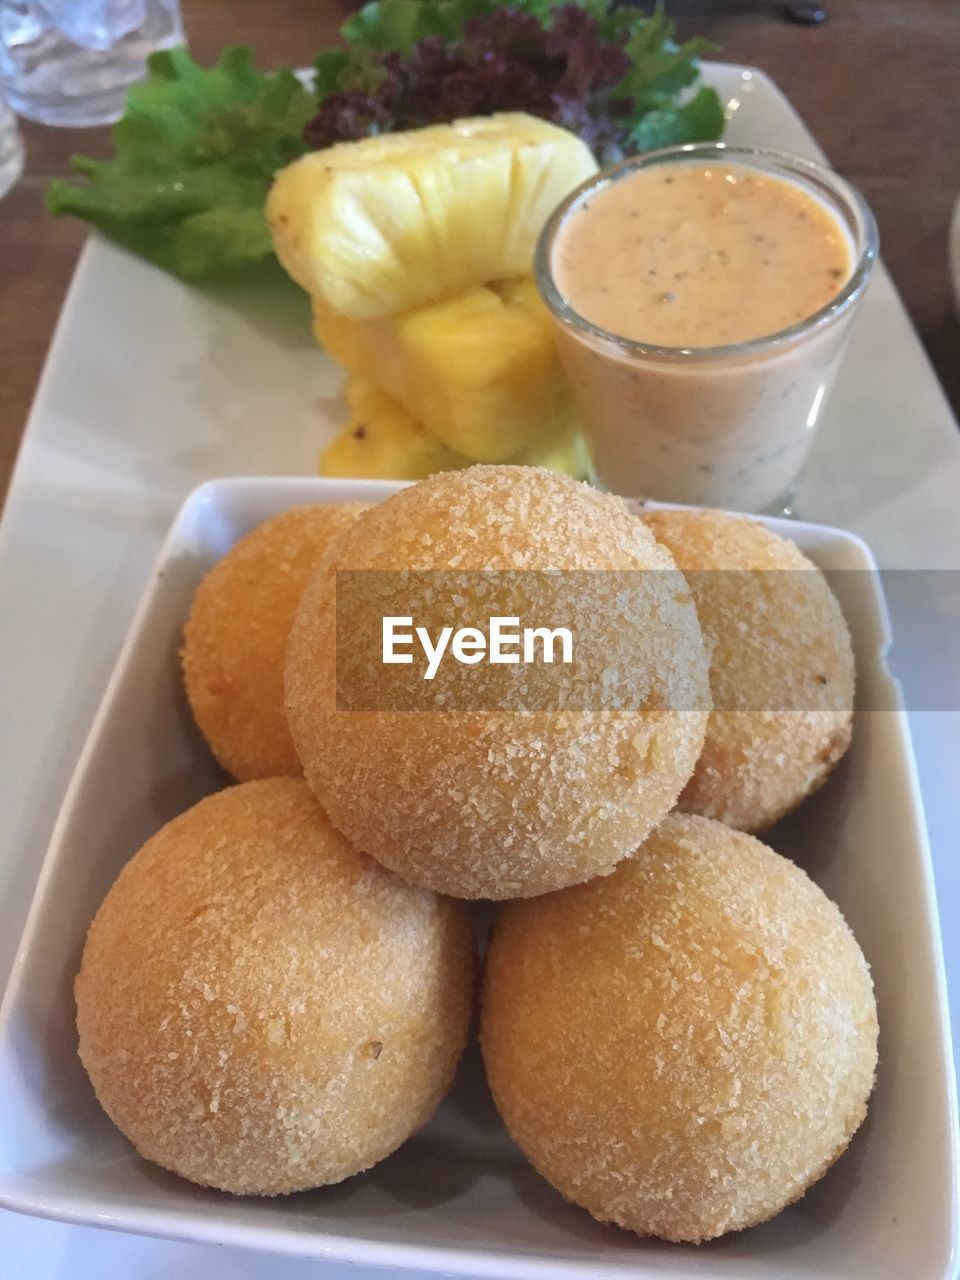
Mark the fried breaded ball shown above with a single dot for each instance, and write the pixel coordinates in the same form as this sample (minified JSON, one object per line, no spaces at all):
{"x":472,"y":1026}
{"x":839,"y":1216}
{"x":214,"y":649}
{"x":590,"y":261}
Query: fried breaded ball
{"x":781,"y":673}
{"x":684,"y":1047}
{"x":495,"y":799}
{"x":261,"y":1008}
{"x":235,"y":641}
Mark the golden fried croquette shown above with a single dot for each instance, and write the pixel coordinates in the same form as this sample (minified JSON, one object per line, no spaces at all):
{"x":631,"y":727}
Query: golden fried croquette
{"x":781,"y":675}
{"x":683,"y":1047}
{"x":235,"y":641}
{"x":262,"y":1008}
{"x":499,"y":802}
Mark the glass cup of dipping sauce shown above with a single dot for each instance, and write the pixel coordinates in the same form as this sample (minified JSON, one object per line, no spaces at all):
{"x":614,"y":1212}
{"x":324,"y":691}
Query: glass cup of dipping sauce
{"x":702,"y":297}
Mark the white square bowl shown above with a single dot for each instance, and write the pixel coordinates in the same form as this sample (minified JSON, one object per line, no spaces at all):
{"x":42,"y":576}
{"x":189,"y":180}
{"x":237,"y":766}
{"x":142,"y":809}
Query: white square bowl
{"x":458,"y":1197}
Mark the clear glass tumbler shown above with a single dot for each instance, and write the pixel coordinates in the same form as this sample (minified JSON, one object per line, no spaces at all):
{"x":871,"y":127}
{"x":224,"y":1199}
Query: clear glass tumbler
{"x":724,"y":426}
{"x":69,"y":62}
{"x":11,"y":149}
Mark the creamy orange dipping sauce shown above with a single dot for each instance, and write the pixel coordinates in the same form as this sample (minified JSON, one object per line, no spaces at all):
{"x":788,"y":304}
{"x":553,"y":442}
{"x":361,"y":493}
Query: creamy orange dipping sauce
{"x":700,"y":255}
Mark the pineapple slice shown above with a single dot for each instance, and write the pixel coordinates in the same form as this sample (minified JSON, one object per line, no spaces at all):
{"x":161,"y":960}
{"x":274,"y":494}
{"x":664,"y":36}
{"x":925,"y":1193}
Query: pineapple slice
{"x":478,"y":370}
{"x":394,"y":221}
{"x":383,"y":441}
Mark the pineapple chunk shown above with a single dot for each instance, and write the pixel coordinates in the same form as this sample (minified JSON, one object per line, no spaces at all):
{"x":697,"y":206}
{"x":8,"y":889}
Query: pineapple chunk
{"x":478,"y":370}
{"x":383,"y":441}
{"x":566,"y":452}
{"x":394,"y":221}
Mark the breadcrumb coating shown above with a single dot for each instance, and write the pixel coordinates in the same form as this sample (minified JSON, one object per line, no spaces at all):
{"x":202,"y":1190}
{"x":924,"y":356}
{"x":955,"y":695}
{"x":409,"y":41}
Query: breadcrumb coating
{"x":235,"y":641}
{"x":684,"y":1047}
{"x":263,"y":1009}
{"x":782,"y":670}
{"x":503,"y":803}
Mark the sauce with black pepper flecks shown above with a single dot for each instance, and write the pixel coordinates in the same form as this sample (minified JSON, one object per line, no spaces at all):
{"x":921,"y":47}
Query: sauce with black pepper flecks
{"x":700,"y":255}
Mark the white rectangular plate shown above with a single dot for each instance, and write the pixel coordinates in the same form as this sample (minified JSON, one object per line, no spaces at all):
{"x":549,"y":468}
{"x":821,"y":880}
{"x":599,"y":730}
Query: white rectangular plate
{"x":458,"y":1197}
{"x":152,"y":387}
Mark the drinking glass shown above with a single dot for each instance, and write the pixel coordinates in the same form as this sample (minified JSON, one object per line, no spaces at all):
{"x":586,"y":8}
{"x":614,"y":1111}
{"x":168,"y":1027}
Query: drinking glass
{"x":11,"y":149}
{"x":724,"y":426}
{"x":69,"y":62}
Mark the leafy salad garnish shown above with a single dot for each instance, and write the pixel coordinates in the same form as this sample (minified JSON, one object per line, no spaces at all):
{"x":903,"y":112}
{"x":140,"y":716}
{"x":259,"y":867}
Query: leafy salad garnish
{"x":197,"y":148}
{"x":195,"y":153}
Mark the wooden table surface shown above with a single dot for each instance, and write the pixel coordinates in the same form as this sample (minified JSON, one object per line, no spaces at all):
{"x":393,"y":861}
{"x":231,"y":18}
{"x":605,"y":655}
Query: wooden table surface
{"x":878,"y":83}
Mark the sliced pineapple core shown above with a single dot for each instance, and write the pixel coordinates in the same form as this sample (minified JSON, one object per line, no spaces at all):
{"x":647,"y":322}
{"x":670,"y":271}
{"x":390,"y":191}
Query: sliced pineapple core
{"x":479,"y":370}
{"x":383,"y":441}
{"x":391,"y":222}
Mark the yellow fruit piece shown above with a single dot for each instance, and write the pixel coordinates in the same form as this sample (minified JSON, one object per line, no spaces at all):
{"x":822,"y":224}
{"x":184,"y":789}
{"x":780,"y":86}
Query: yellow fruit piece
{"x":383,"y":441}
{"x":390,"y":222}
{"x":565,"y":452}
{"x":479,"y":370}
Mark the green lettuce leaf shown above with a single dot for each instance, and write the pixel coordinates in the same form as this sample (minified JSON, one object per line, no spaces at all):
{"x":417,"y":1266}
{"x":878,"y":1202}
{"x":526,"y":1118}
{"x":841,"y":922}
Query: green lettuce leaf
{"x":195,"y":153}
{"x":399,"y":24}
{"x":700,"y":119}
{"x":660,"y":68}
{"x":328,"y":69}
